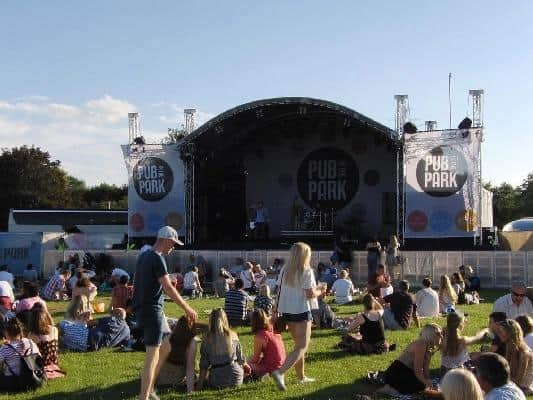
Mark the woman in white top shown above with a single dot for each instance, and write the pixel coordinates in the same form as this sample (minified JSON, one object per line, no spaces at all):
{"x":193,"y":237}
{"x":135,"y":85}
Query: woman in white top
{"x":343,"y":288}
{"x":454,"y":348}
{"x":296,"y":298}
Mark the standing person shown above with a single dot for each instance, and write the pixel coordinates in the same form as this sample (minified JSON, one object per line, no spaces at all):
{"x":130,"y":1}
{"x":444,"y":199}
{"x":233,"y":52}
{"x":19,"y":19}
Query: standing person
{"x":393,"y":251}
{"x":373,"y":248}
{"x":297,"y":297}
{"x":515,"y":303}
{"x":493,"y":375}
{"x":151,"y":280}
{"x":262,"y":220}
{"x":460,"y":384}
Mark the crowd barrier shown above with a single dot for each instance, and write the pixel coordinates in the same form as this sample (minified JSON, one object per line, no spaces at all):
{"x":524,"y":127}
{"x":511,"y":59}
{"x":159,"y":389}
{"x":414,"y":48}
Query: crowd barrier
{"x":496,"y":269}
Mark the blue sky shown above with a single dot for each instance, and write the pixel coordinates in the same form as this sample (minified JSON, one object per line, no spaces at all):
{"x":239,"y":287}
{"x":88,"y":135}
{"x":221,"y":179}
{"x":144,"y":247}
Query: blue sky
{"x":72,"y":70}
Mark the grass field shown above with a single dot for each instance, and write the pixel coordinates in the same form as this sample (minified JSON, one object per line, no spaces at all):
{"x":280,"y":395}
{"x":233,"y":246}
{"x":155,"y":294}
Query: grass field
{"x":112,"y":374}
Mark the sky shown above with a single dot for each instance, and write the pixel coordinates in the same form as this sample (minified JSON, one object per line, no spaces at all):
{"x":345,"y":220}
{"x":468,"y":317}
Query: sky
{"x":70,"y":71}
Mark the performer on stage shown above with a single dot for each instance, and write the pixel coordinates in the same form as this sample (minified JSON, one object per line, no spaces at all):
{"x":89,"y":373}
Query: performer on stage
{"x":262,"y":220}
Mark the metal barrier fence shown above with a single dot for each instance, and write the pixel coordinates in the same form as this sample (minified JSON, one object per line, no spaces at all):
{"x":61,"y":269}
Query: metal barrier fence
{"x":496,"y":269}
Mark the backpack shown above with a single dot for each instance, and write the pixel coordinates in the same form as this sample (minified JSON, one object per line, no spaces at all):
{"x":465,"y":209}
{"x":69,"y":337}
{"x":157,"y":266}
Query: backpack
{"x":32,"y":374}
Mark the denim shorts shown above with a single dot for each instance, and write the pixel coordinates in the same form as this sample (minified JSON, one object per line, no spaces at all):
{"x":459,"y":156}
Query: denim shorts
{"x":305,"y":316}
{"x":154,"y":326}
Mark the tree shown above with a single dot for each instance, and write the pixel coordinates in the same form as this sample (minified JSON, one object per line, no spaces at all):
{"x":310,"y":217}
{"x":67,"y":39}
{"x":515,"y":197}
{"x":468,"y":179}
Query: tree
{"x":30,"y":179}
{"x":526,"y":196}
{"x":103,"y":195}
{"x":507,"y":203}
{"x":77,"y":189}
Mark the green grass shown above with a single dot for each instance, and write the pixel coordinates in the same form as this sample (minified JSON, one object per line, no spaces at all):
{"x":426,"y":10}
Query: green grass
{"x":111,"y":374}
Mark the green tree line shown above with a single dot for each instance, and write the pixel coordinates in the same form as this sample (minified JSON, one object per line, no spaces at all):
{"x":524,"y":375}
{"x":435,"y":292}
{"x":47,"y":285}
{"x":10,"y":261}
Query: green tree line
{"x":512,"y":202}
{"x":30,"y":179}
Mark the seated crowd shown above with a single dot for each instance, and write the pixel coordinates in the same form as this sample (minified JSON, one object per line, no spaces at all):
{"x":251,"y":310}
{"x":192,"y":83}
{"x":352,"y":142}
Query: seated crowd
{"x":503,"y":369}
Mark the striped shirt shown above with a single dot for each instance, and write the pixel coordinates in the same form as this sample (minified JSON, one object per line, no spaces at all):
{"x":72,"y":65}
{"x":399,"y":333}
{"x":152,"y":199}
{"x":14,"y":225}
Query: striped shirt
{"x":74,"y":335}
{"x":235,"y":306}
{"x":54,"y":285}
{"x":11,"y":358}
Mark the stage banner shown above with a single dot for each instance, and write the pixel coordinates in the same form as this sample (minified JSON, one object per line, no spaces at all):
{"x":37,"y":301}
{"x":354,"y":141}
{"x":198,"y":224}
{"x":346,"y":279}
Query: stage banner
{"x":443,"y":183}
{"x":155,"y":188}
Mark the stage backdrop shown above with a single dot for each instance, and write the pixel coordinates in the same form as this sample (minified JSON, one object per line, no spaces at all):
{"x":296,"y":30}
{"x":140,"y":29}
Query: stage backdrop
{"x":155,"y":188}
{"x":443,"y":183}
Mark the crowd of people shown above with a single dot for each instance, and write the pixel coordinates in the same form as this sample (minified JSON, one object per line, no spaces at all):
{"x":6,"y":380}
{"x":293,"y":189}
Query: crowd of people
{"x":289,"y":295}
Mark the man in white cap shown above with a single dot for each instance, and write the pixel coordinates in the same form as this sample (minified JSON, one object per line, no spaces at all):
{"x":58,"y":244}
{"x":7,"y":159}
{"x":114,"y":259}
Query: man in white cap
{"x":151,"y":280}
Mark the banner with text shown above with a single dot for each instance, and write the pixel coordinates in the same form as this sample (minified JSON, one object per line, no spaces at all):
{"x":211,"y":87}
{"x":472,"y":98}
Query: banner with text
{"x":443,"y":183}
{"x":155,"y":188}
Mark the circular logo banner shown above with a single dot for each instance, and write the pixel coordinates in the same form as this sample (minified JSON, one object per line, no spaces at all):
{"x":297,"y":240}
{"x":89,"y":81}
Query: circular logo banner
{"x":152,"y":178}
{"x":442,"y":172}
{"x":328,"y":178}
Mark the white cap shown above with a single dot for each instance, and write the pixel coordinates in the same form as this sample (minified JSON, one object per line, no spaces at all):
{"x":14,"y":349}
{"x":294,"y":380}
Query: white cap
{"x":167,"y":232}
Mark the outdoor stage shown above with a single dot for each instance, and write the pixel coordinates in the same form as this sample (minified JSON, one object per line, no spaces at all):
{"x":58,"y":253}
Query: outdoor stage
{"x":324,"y":172}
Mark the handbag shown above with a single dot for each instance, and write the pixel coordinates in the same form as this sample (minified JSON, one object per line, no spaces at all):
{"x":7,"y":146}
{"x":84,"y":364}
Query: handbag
{"x":32,"y":374}
{"x":278,"y":321}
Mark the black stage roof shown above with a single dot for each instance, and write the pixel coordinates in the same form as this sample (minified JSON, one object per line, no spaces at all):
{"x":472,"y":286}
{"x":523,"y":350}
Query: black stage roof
{"x":280,"y":115}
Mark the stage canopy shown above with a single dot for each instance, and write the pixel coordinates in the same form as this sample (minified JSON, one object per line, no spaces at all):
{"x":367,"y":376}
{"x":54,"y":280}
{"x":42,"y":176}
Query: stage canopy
{"x":315,"y":164}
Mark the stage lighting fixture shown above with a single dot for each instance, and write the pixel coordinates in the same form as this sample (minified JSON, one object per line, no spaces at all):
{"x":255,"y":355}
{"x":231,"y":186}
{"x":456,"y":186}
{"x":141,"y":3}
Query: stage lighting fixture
{"x":409,"y":127}
{"x":465,"y":123}
{"x":139,"y":140}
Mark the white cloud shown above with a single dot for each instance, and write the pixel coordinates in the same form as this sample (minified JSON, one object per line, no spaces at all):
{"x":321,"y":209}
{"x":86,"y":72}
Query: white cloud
{"x":85,"y":138}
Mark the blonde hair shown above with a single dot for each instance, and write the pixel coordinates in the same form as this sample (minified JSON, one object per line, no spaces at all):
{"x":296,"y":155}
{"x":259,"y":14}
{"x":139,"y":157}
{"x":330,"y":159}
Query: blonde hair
{"x":394,"y":241}
{"x":264,"y":290}
{"x":343,"y":274}
{"x":453,"y":340}
{"x":77,"y":307}
{"x":460,"y":384}
{"x":299,"y":259}
{"x":219,"y":333}
{"x":429,"y":334}
{"x":447,"y":289}
{"x":517,"y":351}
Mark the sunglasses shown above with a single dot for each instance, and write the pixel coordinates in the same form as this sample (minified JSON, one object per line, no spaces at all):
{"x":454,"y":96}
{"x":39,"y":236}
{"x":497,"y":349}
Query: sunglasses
{"x":518,"y":294}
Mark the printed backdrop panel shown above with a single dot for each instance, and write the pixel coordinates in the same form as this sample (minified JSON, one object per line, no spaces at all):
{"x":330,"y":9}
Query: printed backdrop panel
{"x":155,"y":188}
{"x":443,"y":183}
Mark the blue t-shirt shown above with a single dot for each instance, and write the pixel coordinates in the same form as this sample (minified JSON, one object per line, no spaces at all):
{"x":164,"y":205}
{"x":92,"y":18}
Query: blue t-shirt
{"x":147,"y":291}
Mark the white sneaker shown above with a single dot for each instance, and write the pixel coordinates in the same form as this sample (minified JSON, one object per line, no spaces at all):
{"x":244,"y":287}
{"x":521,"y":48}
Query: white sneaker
{"x":153,"y":395}
{"x":305,"y":380}
{"x":279,"y":378}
